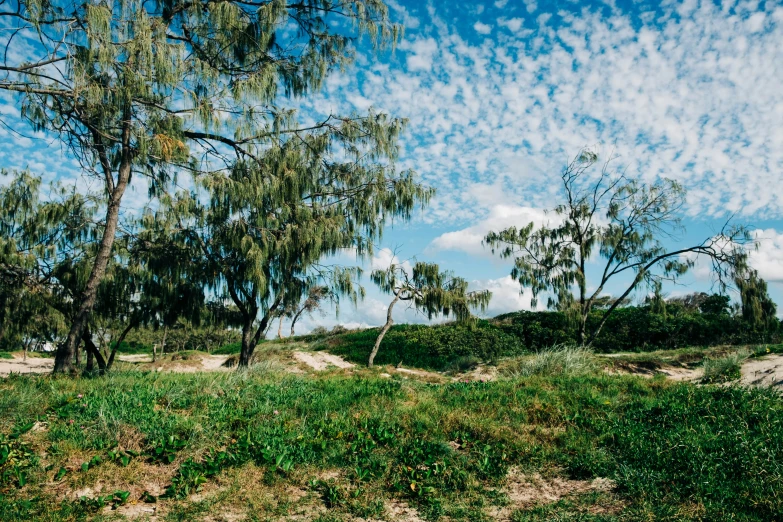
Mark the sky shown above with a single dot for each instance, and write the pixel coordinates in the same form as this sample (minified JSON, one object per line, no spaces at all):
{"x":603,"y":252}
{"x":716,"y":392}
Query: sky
{"x":500,"y":94}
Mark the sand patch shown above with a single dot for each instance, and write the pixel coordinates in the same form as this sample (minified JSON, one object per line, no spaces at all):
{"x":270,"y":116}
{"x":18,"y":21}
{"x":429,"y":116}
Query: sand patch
{"x":320,"y":361}
{"x":527,"y":491}
{"x":763,"y":371}
{"x":31,"y":365}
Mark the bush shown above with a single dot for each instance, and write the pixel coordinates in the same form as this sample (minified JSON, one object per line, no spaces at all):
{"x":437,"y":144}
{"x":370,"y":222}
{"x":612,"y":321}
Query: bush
{"x":433,"y":347}
{"x":557,"y":360}
{"x":724,"y":369}
{"x":463,"y":364}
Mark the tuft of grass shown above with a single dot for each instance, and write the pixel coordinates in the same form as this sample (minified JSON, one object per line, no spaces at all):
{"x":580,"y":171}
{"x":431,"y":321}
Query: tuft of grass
{"x":724,"y":369}
{"x":557,"y":360}
{"x":6,"y":355}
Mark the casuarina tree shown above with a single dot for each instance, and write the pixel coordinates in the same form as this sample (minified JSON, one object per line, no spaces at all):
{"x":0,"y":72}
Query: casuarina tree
{"x":425,"y":288}
{"x":617,"y":224}
{"x":259,"y":233}
{"x":153,"y":89}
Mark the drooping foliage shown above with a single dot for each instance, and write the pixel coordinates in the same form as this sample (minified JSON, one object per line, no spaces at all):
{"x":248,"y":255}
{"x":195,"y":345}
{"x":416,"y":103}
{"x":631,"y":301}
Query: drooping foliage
{"x":258,"y":234}
{"x":156,"y":89}
{"x":427,"y":289}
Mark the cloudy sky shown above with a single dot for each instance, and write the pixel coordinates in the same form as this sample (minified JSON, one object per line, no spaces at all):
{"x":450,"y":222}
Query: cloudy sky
{"x":500,"y":94}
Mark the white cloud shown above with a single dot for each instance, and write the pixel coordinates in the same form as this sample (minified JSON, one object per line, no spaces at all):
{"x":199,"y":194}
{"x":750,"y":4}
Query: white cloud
{"x":385,"y":257}
{"x":500,"y":217}
{"x":691,"y":94}
{"x":513,"y":24}
{"x":500,"y":4}
{"x":482,"y":28}
{"x":768,"y":259}
{"x":507,"y":296}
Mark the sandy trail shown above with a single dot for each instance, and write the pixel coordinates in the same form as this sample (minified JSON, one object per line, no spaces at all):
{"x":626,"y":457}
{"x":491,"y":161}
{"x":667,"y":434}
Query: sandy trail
{"x":764,"y":371}
{"x":320,"y":361}
{"x":31,"y":365}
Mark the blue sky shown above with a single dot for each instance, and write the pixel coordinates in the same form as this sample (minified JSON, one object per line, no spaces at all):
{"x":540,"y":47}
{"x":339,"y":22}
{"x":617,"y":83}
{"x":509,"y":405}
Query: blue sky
{"x":500,"y":94}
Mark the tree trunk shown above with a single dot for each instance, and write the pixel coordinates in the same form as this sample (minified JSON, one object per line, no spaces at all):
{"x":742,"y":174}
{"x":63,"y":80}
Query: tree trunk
{"x":295,"y":319}
{"x":162,"y":344}
{"x":90,"y":362}
{"x":120,"y":340}
{"x":389,"y":322}
{"x":249,"y":339}
{"x":65,"y":352}
{"x":280,"y":328}
{"x":247,"y":344}
{"x":94,"y":351}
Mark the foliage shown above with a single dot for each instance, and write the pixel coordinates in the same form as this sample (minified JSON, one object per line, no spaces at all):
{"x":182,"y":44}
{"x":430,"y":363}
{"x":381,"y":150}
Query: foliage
{"x":619,"y":220}
{"x":724,"y":369}
{"x":433,"y":347}
{"x":557,"y":360}
{"x":163,"y":89}
{"x":443,"y":449}
{"x":427,"y":289}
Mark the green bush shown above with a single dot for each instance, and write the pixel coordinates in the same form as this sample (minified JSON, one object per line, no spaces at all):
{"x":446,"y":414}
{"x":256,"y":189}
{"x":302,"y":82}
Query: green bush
{"x":724,"y":369}
{"x":558,"y":360}
{"x":434,"y":347}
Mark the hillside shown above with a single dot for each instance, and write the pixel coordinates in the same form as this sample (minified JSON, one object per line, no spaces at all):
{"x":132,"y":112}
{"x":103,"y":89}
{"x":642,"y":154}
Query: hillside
{"x":546,"y":439}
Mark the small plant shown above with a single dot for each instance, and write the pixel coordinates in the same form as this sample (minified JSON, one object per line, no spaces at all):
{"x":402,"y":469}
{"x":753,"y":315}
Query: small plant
{"x":165,"y":450}
{"x":557,"y":360}
{"x":724,"y":369}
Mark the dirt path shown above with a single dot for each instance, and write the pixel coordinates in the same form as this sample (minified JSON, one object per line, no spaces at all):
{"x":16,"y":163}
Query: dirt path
{"x":31,"y":365}
{"x":764,"y":371}
{"x":320,"y":361}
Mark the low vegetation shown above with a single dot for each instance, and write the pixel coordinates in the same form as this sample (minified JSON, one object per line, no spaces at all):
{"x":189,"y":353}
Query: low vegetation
{"x":342,"y":445}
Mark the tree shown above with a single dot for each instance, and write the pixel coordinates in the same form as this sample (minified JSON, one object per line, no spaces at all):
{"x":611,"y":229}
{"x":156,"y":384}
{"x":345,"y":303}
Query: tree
{"x":758,"y":308}
{"x":316,"y":297}
{"x":427,"y":289}
{"x":618,"y":223}
{"x":38,"y":237}
{"x":258,"y":233}
{"x":158,"y":88}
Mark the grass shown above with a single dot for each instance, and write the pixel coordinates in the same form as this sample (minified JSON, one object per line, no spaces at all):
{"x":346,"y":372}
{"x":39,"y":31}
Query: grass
{"x":726,"y":368}
{"x":338,"y":445}
{"x":558,"y":360}
{"x":6,"y":355}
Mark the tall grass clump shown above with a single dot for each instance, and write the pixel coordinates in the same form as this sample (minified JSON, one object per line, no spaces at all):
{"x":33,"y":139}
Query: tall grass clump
{"x":724,"y":369}
{"x":556,"y":360}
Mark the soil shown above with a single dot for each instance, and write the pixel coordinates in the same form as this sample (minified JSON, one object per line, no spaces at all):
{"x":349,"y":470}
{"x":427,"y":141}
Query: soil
{"x":320,"y":361}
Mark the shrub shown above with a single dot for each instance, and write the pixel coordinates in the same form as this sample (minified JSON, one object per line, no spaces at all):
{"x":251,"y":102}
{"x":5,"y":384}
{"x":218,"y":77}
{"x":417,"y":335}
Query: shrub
{"x":557,"y":360}
{"x":463,"y":364}
{"x":724,"y":369}
{"x":433,"y":347}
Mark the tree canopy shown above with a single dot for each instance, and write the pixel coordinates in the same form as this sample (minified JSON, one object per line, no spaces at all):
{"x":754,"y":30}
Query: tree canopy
{"x":158,"y":89}
{"x":617,"y":223}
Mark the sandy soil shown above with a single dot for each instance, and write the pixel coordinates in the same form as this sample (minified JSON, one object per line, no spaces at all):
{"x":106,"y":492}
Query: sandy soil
{"x":31,"y":365}
{"x":45,"y":364}
{"x":764,"y":371}
{"x":320,"y":361}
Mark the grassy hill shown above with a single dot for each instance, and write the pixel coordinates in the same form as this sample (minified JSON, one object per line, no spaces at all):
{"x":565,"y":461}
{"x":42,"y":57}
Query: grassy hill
{"x":358,"y":444}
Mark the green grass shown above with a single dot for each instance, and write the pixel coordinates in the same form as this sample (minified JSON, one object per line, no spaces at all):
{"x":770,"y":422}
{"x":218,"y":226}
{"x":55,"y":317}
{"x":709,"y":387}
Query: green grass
{"x":558,"y":360}
{"x":675,"y":451}
{"x":6,"y":355}
{"x":726,"y":368}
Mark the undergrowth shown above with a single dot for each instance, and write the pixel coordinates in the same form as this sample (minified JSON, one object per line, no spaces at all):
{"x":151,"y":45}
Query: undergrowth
{"x":352,"y":441}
